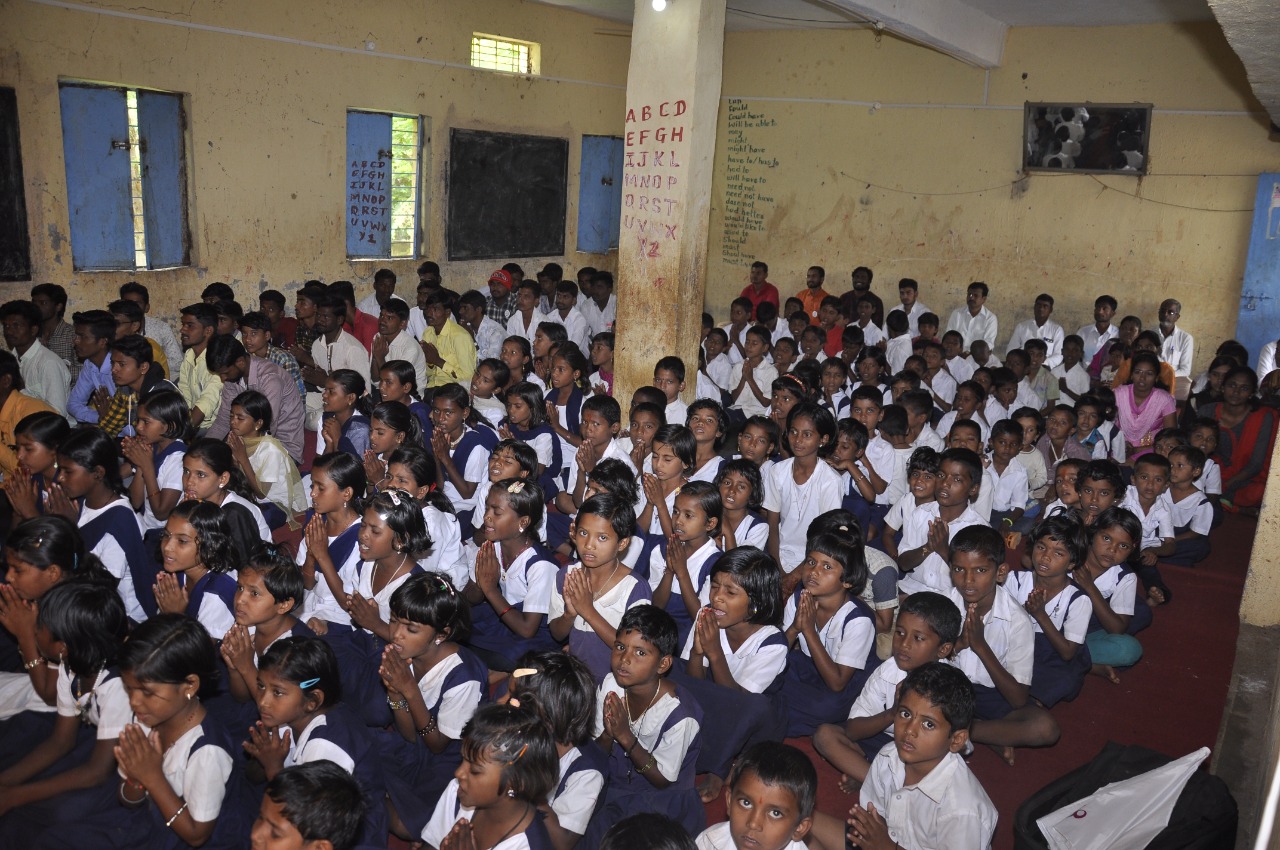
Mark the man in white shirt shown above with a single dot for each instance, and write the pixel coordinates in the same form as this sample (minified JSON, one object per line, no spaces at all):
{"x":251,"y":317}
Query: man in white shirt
{"x":393,"y":342}
{"x":487,"y":333}
{"x":908,"y":292}
{"x":600,"y":306}
{"x":1267,"y":360}
{"x":566,"y":313}
{"x":384,"y":286}
{"x":44,"y":373}
{"x":153,"y":328}
{"x":1040,"y":327}
{"x":1177,"y":347}
{"x":334,"y":348}
{"x":1101,"y":332}
{"x":974,"y":321}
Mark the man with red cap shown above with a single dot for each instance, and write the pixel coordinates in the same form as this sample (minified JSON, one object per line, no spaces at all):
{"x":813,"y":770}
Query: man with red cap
{"x":500,"y":305}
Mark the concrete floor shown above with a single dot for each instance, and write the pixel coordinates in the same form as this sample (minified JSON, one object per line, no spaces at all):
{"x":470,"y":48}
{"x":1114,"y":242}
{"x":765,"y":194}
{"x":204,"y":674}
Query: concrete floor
{"x":1247,"y":741}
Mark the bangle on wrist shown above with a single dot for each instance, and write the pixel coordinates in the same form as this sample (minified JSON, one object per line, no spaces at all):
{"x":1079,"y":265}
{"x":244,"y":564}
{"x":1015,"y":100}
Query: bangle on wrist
{"x":401,"y":704}
{"x":429,"y":728}
{"x":33,"y":663}
{"x":647,"y":765}
{"x":629,"y":749}
{"x":181,"y":809}
{"x":505,"y":611}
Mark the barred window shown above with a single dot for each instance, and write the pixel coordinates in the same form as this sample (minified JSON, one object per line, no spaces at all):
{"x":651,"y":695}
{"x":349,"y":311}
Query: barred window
{"x":504,"y":54}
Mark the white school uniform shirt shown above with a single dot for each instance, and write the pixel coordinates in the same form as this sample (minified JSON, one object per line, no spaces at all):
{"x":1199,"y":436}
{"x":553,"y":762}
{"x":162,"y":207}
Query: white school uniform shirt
{"x":897,"y":350}
{"x":1094,"y":340}
{"x":364,"y":586}
{"x":1157,"y":525}
{"x":105,"y":705}
{"x":599,"y":319}
{"x":1051,"y":332}
{"x":527,"y":581}
{"x":994,"y":411}
{"x":913,"y":317}
{"x":1008,"y":631}
{"x":407,"y":347}
{"x":1011,"y":487}
{"x":986,"y":492}
{"x":1194,"y":511}
{"x":880,"y":457}
{"x":871,"y":333}
{"x":1077,"y":378}
{"x":847,"y":641}
{"x":765,"y":374}
{"x":658,"y":565}
{"x":199,"y":778}
{"x":668,"y":748}
{"x":902,"y":509}
{"x":718,"y":838}
{"x":898,"y":485}
{"x":677,"y":412}
{"x":735,"y":356}
{"x":949,"y":418}
{"x":1210,"y":480}
{"x":577,"y":802}
{"x":1119,"y":587}
{"x":457,"y":705}
{"x":947,"y":809}
{"x":754,"y":666}
{"x":1267,"y":359}
{"x":985,"y":326}
{"x":961,"y":368}
{"x":1028,"y":396}
{"x":346,"y":352}
{"x":616,"y":450}
{"x":113,"y":558}
{"x":477,"y":470}
{"x":752,"y":532}
{"x":448,"y":812}
{"x":168,"y":477}
{"x":45,"y":375}
{"x":517,"y":327}
{"x":1177,"y":349}
{"x":708,"y":471}
{"x":319,"y":601}
{"x":417,"y":323}
{"x":719,"y":368}
{"x":446,"y":556}
{"x":613,"y":604}
{"x":880,"y":691}
{"x":1037,"y":473}
{"x":942,"y":385}
{"x":928,"y":438}
{"x":1069,"y":615}
{"x":253,"y":509}
{"x":482,"y":495}
{"x":797,"y":505}
{"x":933,"y":573}
{"x":575,"y":327}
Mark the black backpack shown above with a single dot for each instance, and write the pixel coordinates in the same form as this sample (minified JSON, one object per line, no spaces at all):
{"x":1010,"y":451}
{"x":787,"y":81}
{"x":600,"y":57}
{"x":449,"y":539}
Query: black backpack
{"x":1204,"y":818}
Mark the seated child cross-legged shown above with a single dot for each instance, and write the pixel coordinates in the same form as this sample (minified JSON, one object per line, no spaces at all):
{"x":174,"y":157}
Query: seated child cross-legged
{"x":770,"y":797}
{"x":680,"y":566}
{"x":996,"y":649}
{"x":1108,"y":579}
{"x":927,"y":629}
{"x":1190,"y":509}
{"x":922,"y":552}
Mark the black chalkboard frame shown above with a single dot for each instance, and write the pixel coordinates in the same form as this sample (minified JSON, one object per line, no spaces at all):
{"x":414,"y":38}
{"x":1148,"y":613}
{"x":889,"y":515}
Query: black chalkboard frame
{"x":15,"y":241}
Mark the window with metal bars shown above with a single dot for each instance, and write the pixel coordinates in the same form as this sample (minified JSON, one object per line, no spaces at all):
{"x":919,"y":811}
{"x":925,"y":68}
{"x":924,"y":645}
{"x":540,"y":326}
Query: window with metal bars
{"x":495,"y":53}
{"x":384,"y":165}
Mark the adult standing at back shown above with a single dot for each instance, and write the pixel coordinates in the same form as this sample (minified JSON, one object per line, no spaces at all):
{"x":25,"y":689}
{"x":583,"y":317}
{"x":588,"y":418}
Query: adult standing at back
{"x":1041,"y":327}
{"x":1177,"y":347}
{"x":861,"y":278}
{"x":813,"y":294}
{"x":909,"y":296}
{"x":974,"y":321}
{"x":760,"y":290}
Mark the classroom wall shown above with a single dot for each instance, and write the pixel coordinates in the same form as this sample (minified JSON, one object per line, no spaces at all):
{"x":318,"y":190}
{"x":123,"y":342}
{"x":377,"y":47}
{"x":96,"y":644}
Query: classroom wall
{"x":926,"y":185}
{"x":267,"y":121}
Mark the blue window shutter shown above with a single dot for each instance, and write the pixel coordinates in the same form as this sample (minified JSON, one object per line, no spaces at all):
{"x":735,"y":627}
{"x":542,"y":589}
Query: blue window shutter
{"x":599,"y":194}
{"x":368,"y":196}
{"x":94,"y":122}
{"x":164,"y":178}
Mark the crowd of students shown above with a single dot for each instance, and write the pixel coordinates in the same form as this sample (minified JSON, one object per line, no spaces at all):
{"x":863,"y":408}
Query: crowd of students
{"x":516,"y":608}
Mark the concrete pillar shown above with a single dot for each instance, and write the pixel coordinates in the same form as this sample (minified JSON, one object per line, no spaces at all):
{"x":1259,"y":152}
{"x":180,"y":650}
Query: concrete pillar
{"x":1260,"y":605}
{"x":673,"y":102}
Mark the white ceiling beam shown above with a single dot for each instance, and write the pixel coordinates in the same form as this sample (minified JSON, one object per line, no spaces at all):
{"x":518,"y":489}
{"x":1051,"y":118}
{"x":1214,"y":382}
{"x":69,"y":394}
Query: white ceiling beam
{"x":951,"y":27}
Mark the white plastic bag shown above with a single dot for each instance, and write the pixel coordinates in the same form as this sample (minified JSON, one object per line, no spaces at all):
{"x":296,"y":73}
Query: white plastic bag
{"x":1124,"y":815}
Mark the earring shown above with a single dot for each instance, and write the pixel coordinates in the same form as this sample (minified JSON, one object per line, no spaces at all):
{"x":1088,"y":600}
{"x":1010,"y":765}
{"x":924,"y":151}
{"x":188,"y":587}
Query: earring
{"x":439,"y":641}
{"x":511,"y":792}
{"x":189,"y":696}
{"x":752,"y":612}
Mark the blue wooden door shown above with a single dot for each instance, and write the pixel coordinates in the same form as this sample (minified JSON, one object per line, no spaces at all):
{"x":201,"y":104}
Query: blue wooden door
{"x":164,"y":178}
{"x":1259,"y":318}
{"x":599,"y":194}
{"x":95,"y":147}
{"x":368,"y":184}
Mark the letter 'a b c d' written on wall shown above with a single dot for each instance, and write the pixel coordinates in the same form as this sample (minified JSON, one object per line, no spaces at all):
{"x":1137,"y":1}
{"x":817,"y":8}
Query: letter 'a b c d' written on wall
{"x":654,"y":154}
{"x":748,"y":164}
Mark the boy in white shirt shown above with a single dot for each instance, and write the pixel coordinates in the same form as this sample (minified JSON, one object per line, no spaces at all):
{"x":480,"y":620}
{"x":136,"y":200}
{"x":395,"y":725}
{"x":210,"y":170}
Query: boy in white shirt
{"x":897,"y":348}
{"x":1073,"y":377}
{"x":1009,"y":501}
{"x":718,"y":366}
{"x":922,"y":554}
{"x":1204,"y":436}
{"x":394,"y":343}
{"x":1150,"y":480}
{"x":1189,"y":509}
{"x":770,"y":797}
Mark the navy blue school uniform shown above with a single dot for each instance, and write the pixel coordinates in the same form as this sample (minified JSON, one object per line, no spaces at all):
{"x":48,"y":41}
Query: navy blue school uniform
{"x":212,"y":602}
{"x":612,"y":605}
{"x":473,"y":440}
{"x":583,"y":777}
{"x":549,"y":480}
{"x":415,"y":776}
{"x":700,"y":564}
{"x":337,"y":735}
{"x":354,"y":439}
{"x":850,"y":639}
{"x":119,"y":522}
{"x":422,"y":412}
{"x":671,"y":731}
{"x":572,"y":421}
{"x":448,"y":811}
{"x":1054,"y":679}
{"x":526,"y":584}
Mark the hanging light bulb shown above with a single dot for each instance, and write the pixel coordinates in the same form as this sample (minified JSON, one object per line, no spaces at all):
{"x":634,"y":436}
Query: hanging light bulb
{"x":659,"y":5}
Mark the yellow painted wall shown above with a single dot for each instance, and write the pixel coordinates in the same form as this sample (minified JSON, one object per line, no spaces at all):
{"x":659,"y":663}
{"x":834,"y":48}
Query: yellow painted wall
{"x":847,"y":186}
{"x":268,"y":120}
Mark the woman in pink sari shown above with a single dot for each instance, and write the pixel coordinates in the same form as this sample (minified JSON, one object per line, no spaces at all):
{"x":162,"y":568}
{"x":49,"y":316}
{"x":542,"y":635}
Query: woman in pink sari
{"x":1142,"y":407}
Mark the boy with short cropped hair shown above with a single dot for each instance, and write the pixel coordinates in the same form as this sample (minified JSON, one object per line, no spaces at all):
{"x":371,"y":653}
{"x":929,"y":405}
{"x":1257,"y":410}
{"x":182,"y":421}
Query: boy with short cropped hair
{"x":922,"y":554}
{"x":393,"y":341}
{"x":312,"y":806}
{"x":1003,"y":396}
{"x":909,"y":295}
{"x":1189,"y":509}
{"x":897,"y":347}
{"x":928,"y":326}
{"x":960,"y":367}
{"x":927,"y":628}
{"x":201,"y":389}
{"x":1203,"y":434}
{"x":283,"y":328}
{"x":1072,"y":376}
{"x":739,"y":320}
{"x":894,"y":430}
{"x":668,"y":376}
{"x":1038,"y":380}
{"x":1010,"y":498}
{"x":1150,"y":481}
{"x":770,"y":797}
{"x":919,"y":406}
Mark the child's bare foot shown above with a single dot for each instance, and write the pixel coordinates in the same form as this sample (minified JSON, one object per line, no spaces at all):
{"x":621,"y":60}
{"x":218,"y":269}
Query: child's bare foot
{"x":1107,"y":672}
{"x":710,"y":787}
{"x":1006,"y":753}
{"x":1155,"y":597}
{"x":848,"y":784}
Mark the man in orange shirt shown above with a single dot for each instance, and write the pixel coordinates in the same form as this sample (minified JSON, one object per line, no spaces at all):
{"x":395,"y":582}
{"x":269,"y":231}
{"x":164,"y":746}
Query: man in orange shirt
{"x":813,"y":293}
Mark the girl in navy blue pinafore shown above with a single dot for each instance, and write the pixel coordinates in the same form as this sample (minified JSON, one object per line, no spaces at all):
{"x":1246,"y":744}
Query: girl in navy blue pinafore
{"x":509,"y":768}
{"x":569,"y":368}
{"x":89,"y":474}
{"x":434,"y":687}
{"x":741,"y":500}
{"x":303,"y":721}
{"x":707,"y":421}
{"x":664,"y":472}
{"x":345,"y":427}
{"x":1059,"y":609}
{"x":833,"y":635}
{"x":398,"y":381}
{"x":527,"y":422}
{"x":462,"y":453}
{"x":156,"y":454}
{"x":680,"y":566}
{"x":37,"y":437}
{"x":199,"y":560}
{"x":180,"y":786}
{"x":512,"y":579}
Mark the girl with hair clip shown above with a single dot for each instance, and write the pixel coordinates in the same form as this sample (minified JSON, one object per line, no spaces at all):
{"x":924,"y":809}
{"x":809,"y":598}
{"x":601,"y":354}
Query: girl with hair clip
{"x":564,"y":399}
{"x":303,"y":720}
{"x":38,"y":436}
{"x":832,"y":633}
{"x":268,"y":590}
{"x":1059,"y":609}
{"x":560,"y":689}
{"x":787,"y":392}
{"x":413,"y":470}
{"x":513,"y":577}
{"x":508,"y":768}
{"x":70,"y":772}
{"x":1108,"y":578}
{"x":392,"y":535}
{"x":517,"y":354}
{"x":664,"y":472}
{"x":397,"y":381}
{"x":156,"y":454}
{"x":801,"y":487}
{"x":735,"y":656}
{"x":210,"y":474}
{"x":741,"y":500}
{"x":391,"y":427}
{"x":89,"y":474}
{"x":179,"y":787}
{"x":509,"y":459}
{"x":200,"y":561}
{"x":707,"y":421}
{"x":271,"y":474}
{"x":328,"y":554}
{"x":434,"y":686}
{"x":526,"y":421}
{"x":680,"y":566}
{"x":345,"y":426}
{"x":461,"y":451}
{"x":42,"y":553}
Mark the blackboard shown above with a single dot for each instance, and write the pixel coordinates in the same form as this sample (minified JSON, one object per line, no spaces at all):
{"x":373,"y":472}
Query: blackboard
{"x":15,"y":246}
{"x":507,"y":195}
